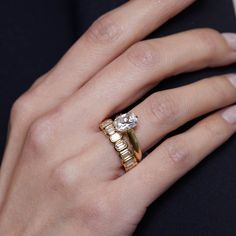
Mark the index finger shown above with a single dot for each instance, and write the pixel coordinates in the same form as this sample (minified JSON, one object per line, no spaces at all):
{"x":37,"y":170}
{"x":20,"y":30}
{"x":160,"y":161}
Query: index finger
{"x":109,"y":36}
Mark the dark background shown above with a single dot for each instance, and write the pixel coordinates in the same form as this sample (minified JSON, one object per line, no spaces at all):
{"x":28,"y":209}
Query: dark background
{"x":35,"y":34}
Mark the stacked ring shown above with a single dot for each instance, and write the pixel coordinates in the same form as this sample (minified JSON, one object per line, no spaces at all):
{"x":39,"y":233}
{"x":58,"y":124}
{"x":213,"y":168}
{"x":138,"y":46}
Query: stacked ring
{"x":129,"y":153}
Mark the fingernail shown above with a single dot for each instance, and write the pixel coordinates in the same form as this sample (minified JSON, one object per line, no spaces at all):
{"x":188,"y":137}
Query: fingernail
{"x":230,"y":39}
{"x":232,"y":79}
{"x":229,"y":115}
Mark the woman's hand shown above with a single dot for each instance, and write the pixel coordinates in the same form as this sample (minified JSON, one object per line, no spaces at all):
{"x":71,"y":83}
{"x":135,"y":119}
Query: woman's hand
{"x":61,"y":176}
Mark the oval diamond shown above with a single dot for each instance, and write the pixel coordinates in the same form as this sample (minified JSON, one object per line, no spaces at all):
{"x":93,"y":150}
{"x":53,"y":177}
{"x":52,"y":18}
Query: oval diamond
{"x":125,"y":122}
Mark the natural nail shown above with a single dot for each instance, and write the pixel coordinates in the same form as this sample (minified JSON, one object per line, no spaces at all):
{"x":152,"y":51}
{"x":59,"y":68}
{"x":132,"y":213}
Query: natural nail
{"x":230,"y":115}
{"x":230,"y":39}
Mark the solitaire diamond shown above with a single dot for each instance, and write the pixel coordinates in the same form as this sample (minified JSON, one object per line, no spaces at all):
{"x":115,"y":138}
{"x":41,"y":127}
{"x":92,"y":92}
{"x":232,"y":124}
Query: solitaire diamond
{"x":125,"y":122}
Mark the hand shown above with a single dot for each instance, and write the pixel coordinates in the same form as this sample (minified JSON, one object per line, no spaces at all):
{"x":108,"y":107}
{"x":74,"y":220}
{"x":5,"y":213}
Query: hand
{"x":61,"y":176}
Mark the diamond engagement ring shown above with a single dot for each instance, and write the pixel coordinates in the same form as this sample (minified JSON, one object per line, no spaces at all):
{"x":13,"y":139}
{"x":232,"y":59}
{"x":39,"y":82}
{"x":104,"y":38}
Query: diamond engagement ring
{"x":123,"y":125}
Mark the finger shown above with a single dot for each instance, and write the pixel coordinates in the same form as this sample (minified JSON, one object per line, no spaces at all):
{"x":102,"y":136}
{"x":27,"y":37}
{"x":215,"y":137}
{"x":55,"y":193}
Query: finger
{"x":109,"y":36}
{"x":119,"y":86}
{"x":95,"y":165}
{"x":176,"y":156}
{"x":105,"y":39}
{"x":162,"y":113}
{"x":165,"y":111}
{"x":146,"y":64}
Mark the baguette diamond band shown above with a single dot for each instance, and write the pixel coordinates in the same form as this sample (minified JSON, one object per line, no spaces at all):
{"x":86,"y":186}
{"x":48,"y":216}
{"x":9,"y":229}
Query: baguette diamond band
{"x":121,"y":134}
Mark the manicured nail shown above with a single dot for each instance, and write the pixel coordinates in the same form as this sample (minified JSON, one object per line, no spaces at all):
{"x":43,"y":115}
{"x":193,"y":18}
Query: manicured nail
{"x":230,"y":115}
{"x":232,"y":79}
{"x":230,"y":39}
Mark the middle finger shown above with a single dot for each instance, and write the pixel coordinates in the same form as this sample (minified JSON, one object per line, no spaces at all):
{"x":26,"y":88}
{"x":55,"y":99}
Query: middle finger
{"x":126,"y":79}
{"x":143,"y":66}
{"x":167,"y":110}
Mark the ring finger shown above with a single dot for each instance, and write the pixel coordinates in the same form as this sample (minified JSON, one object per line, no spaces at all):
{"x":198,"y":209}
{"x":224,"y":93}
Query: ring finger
{"x":143,"y":66}
{"x":179,"y":53}
{"x":174,"y":158}
{"x":158,"y":115}
{"x":165,"y":111}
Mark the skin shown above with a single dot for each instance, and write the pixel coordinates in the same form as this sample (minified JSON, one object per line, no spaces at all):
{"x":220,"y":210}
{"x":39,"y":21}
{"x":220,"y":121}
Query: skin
{"x":61,"y":176}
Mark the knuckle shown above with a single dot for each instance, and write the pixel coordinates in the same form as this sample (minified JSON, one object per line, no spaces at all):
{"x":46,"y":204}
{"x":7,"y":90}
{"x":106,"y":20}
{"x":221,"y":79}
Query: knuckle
{"x":42,"y":131}
{"x":141,"y":55}
{"x":176,"y":150}
{"x":210,"y":40}
{"x":163,"y":108}
{"x":20,"y":109}
{"x":97,"y":208}
{"x":39,"y":134}
{"x":65,"y":177}
{"x":104,"y":30}
{"x":212,"y":130}
{"x":217,"y":89}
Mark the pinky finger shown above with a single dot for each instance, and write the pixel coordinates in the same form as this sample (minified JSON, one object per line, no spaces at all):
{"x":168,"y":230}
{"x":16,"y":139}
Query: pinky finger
{"x":175,"y":157}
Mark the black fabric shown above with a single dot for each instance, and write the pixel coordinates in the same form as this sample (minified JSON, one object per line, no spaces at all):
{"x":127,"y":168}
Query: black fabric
{"x":35,"y":34}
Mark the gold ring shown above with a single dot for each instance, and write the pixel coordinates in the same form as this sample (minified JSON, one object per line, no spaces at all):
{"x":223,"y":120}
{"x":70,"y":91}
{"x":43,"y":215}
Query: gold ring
{"x":135,"y":144}
{"x":130,"y":153}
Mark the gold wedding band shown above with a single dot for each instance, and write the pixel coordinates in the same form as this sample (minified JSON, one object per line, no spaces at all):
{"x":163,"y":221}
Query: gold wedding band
{"x":135,"y":144}
{"x":129,"y":152}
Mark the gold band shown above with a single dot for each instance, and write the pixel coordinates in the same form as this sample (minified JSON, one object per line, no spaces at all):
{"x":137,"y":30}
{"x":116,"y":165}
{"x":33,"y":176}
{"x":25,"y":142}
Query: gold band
{"x":129,"y":153}
{"x":128,"y":159}
{"x":135,"y":144}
